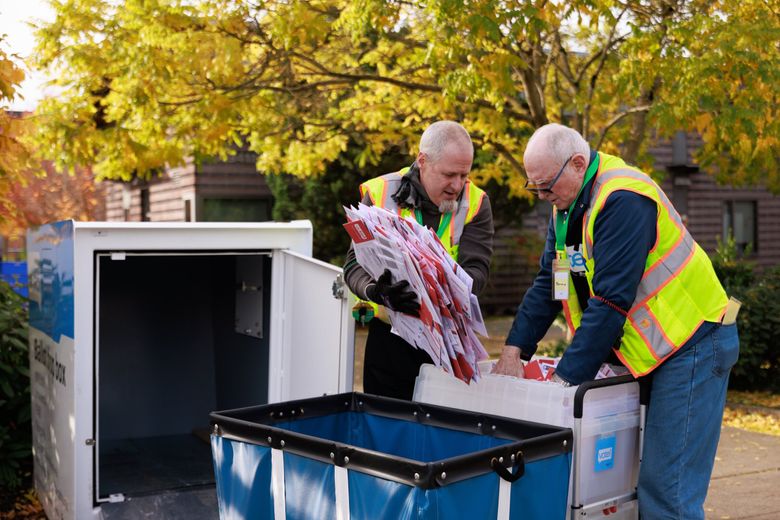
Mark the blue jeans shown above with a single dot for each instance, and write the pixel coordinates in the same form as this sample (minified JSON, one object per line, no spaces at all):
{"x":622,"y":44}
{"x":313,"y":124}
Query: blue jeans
{"x":683,"y":426}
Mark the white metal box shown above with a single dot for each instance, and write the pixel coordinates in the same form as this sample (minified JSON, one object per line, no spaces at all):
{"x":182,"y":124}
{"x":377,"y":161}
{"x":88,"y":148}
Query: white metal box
{"x":140,"y":330}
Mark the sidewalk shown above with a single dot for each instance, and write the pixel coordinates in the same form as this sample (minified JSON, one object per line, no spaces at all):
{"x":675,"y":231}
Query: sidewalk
{"x":745,"y":482}
{"x":746,"y":477}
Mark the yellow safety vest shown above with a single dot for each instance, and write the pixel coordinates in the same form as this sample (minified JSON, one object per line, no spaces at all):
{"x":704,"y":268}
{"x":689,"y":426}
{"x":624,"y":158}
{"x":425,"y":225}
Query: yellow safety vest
{"x":380,"y":190}
{"x":679,"y":289}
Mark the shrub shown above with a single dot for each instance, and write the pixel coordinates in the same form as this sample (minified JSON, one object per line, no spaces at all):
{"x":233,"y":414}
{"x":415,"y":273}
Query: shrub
{"x":15,"y":430}
{"x":733,"y":270}
{"x":758,"y":367}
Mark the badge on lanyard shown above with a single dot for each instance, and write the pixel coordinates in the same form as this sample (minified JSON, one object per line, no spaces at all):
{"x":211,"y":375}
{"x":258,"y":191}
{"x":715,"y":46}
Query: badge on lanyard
{"x":561,"y":264}
{"x":560,"y":272}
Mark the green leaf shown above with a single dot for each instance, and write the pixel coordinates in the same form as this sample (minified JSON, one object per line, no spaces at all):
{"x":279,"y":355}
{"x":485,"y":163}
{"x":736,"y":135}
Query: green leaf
{"x":7,"y":389}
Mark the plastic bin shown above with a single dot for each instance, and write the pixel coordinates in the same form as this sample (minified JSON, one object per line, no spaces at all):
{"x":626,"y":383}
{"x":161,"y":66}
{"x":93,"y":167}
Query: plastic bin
{"x":361,"y":456}
{"x":604,"y":415}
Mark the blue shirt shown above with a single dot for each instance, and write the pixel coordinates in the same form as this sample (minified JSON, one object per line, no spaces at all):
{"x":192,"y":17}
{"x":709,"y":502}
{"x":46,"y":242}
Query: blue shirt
{"x":623,"y":235}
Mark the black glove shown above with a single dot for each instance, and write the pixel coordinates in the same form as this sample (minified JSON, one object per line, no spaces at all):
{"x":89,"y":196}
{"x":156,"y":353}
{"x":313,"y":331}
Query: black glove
{"x":397,"y":296}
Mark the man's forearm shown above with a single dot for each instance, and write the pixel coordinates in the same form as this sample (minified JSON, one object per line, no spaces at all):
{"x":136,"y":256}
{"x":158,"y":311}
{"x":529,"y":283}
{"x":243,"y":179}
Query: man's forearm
{"x":356,"y":278}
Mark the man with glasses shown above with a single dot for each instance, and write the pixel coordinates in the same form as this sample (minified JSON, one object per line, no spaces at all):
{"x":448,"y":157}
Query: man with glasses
{"x":632,"y":283}
{"x":435,"y":190}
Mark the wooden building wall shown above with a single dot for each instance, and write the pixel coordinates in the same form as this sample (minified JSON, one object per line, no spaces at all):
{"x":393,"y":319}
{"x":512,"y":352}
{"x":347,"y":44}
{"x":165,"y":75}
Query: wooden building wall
{"x":705,"y":201}
{"x":169,"y":194}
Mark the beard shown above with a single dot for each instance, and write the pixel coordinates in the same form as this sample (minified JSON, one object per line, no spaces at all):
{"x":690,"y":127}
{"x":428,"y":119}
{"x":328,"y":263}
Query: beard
{"x":448,"y":206}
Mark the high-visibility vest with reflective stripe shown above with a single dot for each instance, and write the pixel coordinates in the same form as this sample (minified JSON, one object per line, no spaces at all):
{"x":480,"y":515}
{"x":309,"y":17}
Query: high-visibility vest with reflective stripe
{"x":381,"y":189}
{"x":679,"y":289}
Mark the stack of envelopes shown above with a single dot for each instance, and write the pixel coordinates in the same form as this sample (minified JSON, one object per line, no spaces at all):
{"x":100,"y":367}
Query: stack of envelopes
{"x":450,"y":318}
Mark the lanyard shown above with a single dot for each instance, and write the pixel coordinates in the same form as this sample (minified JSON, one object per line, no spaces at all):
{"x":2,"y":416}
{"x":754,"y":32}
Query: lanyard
{"x":562,"y":220}
{"x":444,"y":222}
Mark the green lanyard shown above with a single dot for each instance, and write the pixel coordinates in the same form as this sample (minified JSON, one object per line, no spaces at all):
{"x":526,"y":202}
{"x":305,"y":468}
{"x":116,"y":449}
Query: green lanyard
{"x":562,"y":220}
{"x":444,"y":223}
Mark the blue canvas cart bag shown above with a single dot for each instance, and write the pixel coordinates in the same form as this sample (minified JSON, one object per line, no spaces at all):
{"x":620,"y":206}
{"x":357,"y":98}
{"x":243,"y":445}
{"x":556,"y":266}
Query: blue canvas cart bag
{"x":357,"y":456}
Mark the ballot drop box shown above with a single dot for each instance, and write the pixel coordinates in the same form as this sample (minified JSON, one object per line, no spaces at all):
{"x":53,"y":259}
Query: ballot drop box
{"x":604,"y":415}
{"x":364,"y":457}
{"x":139,"y":330}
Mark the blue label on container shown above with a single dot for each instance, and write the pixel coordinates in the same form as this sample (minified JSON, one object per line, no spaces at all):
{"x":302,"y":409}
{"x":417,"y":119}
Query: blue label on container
{"x":605,"y":453}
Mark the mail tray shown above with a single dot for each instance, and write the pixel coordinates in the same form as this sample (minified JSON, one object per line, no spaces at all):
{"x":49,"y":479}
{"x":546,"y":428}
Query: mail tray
{"x":358,"y":456}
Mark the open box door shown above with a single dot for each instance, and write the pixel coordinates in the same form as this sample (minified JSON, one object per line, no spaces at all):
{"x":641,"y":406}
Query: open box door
{"x":312,"y":343}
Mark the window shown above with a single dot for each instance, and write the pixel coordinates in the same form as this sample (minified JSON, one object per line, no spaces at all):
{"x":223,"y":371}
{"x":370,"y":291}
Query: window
{"x":739,"y":221}
{"x":236,"y":210}
{"x":145,"y":207}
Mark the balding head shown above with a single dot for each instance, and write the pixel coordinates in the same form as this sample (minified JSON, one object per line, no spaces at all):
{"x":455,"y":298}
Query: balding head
{"x":556,"y":142}
{"x":556,"y":149}
{"x":444,"y":134}
{"x":445,"y":160}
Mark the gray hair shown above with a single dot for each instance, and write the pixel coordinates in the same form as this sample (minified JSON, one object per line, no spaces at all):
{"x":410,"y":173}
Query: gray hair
{"x":558,"y":142}
{"x":441,"y":134}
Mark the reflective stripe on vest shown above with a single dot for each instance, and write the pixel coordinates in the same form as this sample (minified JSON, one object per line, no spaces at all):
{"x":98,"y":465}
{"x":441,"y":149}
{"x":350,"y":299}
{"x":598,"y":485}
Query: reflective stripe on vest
{"x":381,"y":190}
{"x":679,"y":289}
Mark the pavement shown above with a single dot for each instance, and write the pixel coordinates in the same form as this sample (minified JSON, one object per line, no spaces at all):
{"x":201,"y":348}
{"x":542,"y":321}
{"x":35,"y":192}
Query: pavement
{"x":745,"y":482}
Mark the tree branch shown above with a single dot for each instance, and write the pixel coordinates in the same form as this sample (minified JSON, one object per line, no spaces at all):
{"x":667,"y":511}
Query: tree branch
{"x":594,"y":77}
{"x":615,"y":120}
{"x":506,"y":154}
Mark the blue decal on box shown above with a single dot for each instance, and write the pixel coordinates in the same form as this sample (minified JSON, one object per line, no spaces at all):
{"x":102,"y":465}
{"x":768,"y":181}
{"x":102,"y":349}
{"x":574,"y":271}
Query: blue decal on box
{"x":604,"y":453}
{"x":50,"y":275}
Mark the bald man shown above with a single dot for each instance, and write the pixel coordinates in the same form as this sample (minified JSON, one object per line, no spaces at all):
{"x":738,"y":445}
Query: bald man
{"x":436,"y":191}
{"x":632,"y":283}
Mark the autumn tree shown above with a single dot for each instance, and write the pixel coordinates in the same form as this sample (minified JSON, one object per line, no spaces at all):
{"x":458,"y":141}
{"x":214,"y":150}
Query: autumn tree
{"x":32,"y":192}
{"x":47,"y":195}
{"x":147,"y":84}
{"x":14,"y":155}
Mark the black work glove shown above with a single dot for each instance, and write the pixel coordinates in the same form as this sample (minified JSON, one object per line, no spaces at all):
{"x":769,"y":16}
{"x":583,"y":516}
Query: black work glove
{"x":397,"y":296}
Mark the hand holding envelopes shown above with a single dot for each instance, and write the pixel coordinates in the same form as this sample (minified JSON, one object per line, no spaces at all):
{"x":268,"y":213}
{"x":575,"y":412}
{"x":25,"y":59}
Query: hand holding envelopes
{"x":450,"y":318}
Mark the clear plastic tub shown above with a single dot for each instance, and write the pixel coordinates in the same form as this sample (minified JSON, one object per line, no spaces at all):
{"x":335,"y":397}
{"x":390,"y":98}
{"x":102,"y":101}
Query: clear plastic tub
{"x":606,"y":446}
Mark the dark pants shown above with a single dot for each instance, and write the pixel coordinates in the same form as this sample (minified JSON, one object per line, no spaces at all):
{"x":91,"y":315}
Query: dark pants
{"x":391,"y":364}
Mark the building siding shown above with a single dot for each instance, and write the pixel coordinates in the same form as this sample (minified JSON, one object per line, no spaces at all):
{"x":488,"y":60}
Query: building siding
{"x":706,"y":200}
{"x":237,"y":178}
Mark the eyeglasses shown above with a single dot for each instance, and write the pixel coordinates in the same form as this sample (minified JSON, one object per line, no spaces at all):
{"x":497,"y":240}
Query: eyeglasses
{"x":536,"y":189}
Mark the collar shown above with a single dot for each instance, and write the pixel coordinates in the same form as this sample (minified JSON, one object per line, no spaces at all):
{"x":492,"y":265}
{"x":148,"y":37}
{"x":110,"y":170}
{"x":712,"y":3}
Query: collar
{"x":412,"y":194}
{"x":583,"y":199}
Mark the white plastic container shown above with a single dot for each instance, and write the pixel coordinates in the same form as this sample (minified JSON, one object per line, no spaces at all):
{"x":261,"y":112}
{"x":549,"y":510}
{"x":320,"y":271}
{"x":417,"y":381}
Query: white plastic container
{"x":606,"y":446}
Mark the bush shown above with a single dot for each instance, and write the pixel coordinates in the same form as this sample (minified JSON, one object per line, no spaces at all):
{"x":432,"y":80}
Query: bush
{"x":758,"y":367}
{"x":734,"y":272}
{"x":15,"y":429}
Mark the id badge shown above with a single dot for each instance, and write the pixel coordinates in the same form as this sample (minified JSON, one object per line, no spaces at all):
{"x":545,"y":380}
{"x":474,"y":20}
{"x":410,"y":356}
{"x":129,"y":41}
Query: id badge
{"x":560,"y":281}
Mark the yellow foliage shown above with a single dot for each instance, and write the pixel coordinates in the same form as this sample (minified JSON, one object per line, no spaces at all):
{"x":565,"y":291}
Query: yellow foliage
{"x":149,"y":84}
{"x":14,"y":154}
{"x":10,"y":76}
{"x":752,"y":421}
